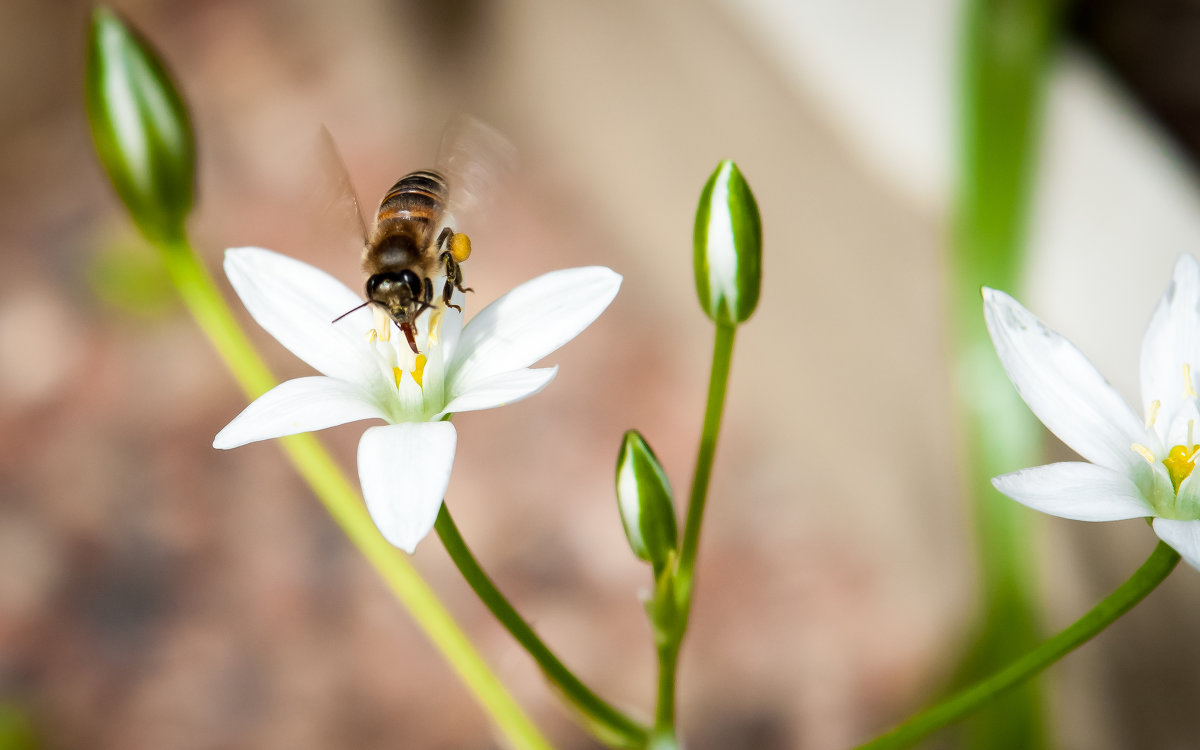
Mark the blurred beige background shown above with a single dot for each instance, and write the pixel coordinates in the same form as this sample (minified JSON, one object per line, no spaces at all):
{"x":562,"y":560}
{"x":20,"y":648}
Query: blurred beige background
{"x":156,"y":593}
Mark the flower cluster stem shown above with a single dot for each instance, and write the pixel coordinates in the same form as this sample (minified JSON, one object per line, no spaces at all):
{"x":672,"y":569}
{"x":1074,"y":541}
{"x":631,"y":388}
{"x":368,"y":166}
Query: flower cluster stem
{"x":1152,"y":572}
{"x":344,"y":504}
{"x":668,"y":651}
{"x":717,"y":385}
{"x":609,"y":724}
{"x":664,"y":715}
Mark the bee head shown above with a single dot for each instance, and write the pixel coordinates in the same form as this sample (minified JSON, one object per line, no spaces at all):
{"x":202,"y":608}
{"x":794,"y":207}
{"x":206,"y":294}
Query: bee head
{"x":398,"y":293}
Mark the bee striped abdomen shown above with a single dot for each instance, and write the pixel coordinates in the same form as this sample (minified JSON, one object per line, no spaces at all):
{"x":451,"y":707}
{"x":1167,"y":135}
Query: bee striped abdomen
{"x":417,"y":197}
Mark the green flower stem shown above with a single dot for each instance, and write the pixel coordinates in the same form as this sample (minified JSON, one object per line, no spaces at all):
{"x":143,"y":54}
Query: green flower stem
{"x":668,"y":651}
{"x":1152,"y":572}
{"x":717,"y":382}
{"x":343,"y":502}
{"x":664,"y":712}
{"x":607,"y":722}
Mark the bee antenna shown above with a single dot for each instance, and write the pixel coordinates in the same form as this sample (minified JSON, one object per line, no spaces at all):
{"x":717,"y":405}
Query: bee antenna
{"x":353,"y":309}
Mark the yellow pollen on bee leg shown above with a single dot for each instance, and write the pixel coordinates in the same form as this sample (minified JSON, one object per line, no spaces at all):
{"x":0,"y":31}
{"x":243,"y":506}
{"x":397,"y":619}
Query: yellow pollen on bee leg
{"x":1153,"y":413}
{"x":460,"y":247}
{"x":1189,"y":390}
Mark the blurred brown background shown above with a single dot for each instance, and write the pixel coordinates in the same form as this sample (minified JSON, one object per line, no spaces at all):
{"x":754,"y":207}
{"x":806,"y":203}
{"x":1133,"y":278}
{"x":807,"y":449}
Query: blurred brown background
{"x":156,"y":593}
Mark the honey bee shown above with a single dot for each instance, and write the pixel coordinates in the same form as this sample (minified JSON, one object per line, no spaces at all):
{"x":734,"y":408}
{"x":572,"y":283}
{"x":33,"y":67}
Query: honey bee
{"x":409,"y":247}
{"x":413,"y":240}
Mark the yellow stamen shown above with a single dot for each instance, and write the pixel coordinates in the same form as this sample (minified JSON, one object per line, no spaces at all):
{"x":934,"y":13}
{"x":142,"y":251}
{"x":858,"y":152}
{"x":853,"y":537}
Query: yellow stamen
{"x":372,"y":335}
{"x":1144,"y":452}
{"x":1188,"y":390}
{"x":1153,"y":415}
{"x":385,"y":332}
{"x":397,"y":373}
{"x":418,"y":372}
{"x":435,"y":326}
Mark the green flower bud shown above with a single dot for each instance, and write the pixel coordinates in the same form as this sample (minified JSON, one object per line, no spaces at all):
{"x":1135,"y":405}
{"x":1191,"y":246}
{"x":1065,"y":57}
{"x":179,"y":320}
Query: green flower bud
{"x":728,"y":247}
{"x":140,"y":127}
{"x":645,"y":502}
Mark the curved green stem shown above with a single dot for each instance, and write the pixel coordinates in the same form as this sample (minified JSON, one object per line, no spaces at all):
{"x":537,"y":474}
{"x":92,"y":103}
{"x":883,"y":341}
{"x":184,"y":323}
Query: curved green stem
{"x":609,"y":724}
{"x":344,"y":504}
{"x":1152,"y":572}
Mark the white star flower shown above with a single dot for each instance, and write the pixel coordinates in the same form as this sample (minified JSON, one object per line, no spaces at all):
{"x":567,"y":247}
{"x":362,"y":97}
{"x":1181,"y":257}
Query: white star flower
{"x":367,"y":373}
{"x":1139,"y":468}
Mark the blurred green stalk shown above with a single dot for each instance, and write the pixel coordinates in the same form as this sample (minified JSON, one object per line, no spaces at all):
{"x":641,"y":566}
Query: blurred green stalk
{"x":1006,"y":47}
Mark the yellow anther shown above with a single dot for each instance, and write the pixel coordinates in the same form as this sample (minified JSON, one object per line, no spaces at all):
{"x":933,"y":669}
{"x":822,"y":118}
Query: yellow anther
{"x":372,"y":335}
{"x":1144,"y":452}
{"x":1188,"y":390}
{"x":460,"y":247}
{"x":435,"y":325}
{"x":397,"y":373}
{"x":1191,"y":430}
{"x":1153,"y":414}
{"x":418,"y":372}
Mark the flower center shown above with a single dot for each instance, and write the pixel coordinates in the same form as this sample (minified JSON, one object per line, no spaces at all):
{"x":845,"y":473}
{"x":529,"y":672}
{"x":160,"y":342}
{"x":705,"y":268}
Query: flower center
{"x":1180,"y":461}
{"x":418,"y":371}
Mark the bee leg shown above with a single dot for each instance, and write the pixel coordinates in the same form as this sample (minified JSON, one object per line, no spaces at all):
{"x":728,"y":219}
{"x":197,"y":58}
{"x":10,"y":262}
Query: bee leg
{"x":454,"y":274}
{"x":447,"y":291}
{"x":444,"y":237}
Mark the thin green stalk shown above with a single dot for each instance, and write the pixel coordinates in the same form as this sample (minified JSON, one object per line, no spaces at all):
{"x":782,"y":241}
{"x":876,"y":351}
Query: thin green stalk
{"x":717,"y":383}
{"x":664,"y":715}
{"x":343,"y":502}
{"x":609,"y":724}
{"x":668,"y":652}
{"x":1152,"y":572}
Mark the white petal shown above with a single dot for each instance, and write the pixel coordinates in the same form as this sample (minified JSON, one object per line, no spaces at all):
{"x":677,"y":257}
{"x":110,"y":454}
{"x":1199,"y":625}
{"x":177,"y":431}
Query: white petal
{"x":1061,"y":386}
{"x":296,"y":303}
{"x":505,"y":388}
{"x":1173,"y":340}
{"x":404,"y":469}
{"x":530,"y":322}
{"x":1075,"y":490}
{"x":299,"y":405}
{"x":1183,"y":536}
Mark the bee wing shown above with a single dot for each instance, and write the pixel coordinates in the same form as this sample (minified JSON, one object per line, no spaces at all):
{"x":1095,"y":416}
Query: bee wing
{"x":477,"y":163}
{"x":340,"y":201}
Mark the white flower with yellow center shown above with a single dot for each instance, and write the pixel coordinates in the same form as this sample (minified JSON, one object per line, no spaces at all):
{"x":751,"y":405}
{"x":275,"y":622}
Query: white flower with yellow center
{"x":368,"y":373}
{"x":1139,"y":467}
